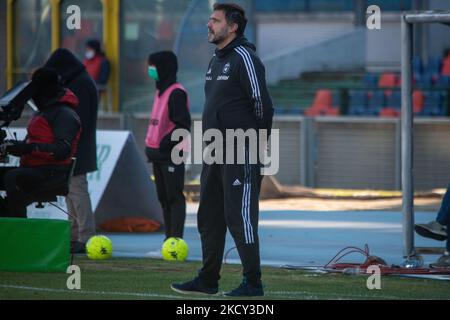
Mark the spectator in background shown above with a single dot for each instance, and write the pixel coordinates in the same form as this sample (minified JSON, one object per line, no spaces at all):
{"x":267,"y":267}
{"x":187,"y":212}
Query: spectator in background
{"x":438,"y":230}
{"x":170,"y":112}
{"x":96,"y":63}
{"x":75,"y":77}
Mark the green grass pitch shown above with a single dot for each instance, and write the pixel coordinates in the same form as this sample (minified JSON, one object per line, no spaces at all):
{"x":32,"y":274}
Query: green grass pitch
{"x":151,"y":279}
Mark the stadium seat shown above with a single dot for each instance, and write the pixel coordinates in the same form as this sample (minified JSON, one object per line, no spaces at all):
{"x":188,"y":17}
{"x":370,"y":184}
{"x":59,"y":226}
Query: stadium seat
{"x":370,"y":80}
{"x":393,"y":105}
{"x":434,"y":68}
{"x":443,"y":81}
{"x":418,"y":101}
{"x":376,"y":102}
{"x":357,"y":102}
{"x":417,"y":65}
{"x":433,"y":104}
{"x":389,"y":112}
{"x":424,"y":80}
{"x":388,"y":80}
{"x":394,"y":100}
{"x":322,"y":104}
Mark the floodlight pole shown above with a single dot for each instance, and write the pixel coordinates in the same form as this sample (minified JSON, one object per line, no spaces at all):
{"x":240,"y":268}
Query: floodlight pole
{"x":407,"y":140}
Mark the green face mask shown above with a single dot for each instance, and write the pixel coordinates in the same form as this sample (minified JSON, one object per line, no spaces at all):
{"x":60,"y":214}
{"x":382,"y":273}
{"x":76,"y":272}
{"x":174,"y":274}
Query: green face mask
{"x":153,"y":73}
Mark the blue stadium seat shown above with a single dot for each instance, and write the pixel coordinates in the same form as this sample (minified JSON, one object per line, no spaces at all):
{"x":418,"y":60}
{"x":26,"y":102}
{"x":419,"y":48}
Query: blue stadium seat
{"x":434,"y":67}
{"x":424,"y":80}
{"x":417,"y":65}
{"x":433,"y":105}
{"x":443,"y":81}
{"x":370,"y":80}
{"x":357,"y":102}
{"x":336,"y":99}
{"x":394,"y":100}
{"x":376,"y":102}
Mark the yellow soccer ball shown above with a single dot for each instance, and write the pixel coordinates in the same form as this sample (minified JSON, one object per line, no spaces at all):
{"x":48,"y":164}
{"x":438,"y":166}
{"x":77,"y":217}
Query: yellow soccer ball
{"x":99,"y":248}
{"x":175,"y":249}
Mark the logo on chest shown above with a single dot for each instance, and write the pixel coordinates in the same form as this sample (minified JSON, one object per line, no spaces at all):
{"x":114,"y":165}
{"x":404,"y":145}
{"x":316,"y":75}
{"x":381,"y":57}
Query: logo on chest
{"x":226,"y":68}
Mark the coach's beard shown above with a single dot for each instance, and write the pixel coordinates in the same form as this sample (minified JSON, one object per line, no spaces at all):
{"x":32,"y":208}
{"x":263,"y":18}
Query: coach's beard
{"x":212,"y":38}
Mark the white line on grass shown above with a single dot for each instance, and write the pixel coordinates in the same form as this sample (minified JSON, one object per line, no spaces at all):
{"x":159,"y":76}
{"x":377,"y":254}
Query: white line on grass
{"x":329,"y":295}
{"x":103,"y":293}
{"x":280,"y":294}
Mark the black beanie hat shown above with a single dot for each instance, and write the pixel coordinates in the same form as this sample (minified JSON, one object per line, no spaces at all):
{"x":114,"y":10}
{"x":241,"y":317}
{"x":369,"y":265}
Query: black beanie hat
{"x":47,"y":82}
{"x":94,"y":44}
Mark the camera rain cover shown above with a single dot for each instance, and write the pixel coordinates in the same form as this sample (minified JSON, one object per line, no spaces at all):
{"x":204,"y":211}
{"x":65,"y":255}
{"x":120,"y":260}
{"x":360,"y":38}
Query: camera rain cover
{"x":14,"y":100}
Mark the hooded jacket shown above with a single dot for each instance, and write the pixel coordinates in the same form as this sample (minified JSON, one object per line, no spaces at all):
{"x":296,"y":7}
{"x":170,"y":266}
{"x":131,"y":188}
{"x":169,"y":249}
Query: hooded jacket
{"x":167,"y":67}
{"x":236,"y":95}
{"x":75,"y":78}
{"x":54,"y":132}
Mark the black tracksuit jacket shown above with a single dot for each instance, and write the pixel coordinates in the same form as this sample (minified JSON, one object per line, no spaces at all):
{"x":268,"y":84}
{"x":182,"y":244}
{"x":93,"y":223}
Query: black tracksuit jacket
{"x":235,"y":90}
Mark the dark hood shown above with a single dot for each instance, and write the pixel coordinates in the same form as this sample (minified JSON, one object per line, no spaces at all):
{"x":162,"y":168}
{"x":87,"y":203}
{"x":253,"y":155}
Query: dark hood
{"x":167,"y":66}
{"x":239,"y":41}
{"x":64,"y":97}
{"x":66,"y":64}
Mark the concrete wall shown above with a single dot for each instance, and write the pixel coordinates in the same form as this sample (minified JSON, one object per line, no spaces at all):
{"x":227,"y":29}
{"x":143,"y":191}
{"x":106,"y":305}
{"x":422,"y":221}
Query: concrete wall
{"x":275,"y":32}
{"x":383,"y":46}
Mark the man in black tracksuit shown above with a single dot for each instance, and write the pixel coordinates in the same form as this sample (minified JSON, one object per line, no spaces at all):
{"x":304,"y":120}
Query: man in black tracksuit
{"x":236,"y":98}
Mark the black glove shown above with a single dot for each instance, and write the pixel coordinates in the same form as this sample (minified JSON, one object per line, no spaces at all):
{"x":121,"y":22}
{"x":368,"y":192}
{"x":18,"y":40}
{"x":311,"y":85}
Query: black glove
{"x":19,"y":148}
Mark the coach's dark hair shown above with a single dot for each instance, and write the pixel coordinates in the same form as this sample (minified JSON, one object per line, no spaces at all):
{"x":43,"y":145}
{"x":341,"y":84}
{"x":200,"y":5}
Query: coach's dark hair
{"x":233,"y":14}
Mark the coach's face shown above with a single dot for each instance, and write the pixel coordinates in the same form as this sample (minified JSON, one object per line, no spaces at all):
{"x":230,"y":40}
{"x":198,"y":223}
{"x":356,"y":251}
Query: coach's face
{"x":219,"y":31}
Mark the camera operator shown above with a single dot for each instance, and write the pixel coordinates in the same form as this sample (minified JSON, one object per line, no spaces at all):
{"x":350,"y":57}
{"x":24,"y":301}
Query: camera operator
{"x":45,"y":154}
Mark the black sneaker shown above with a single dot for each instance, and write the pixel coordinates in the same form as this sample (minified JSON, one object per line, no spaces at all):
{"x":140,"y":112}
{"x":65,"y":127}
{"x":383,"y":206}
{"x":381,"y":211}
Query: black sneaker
{"x":194,"y":286}
{"x":77,"y":247}
{"x":443,"y":262}
{"x":245,"y":289}
{"x":433,"y":230}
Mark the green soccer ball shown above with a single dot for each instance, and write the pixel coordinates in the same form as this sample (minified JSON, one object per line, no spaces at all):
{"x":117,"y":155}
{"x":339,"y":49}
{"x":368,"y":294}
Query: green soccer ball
{"x":175,"y":249}
{"x":99,"y":248}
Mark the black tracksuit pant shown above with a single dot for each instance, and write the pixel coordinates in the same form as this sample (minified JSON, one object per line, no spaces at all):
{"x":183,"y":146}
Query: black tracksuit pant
{"x":169,"y":180}
{"x":229,"y":199}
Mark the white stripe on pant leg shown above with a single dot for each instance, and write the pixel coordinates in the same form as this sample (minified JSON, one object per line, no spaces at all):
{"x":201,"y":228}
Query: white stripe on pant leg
{"x":248,"y":198}
{"x":243,"y":207}
{"x":249,"y":203}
